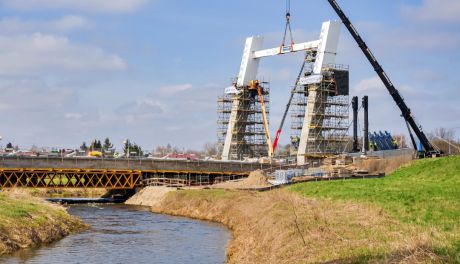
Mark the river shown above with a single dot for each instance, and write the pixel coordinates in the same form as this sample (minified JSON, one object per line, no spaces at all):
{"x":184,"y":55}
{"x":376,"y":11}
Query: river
{"x":128,"y":234}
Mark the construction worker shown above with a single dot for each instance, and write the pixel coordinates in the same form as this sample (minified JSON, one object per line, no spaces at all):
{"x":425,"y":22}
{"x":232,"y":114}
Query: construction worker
{"x":372,"y":146}
{"x":395,"y":144}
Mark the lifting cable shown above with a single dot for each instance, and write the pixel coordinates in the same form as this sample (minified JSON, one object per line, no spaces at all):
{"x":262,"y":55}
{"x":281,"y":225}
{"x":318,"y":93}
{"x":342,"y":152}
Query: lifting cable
{"x":288,"y":106}
{"x":287,"y":27}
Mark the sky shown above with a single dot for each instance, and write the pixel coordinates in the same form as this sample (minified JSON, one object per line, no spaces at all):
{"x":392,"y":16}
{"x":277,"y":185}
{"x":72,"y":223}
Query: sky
{"x":151,"y":70}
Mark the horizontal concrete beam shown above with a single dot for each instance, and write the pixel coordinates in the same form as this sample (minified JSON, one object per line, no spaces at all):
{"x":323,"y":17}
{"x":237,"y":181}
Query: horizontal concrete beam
{"x":128,"y":164}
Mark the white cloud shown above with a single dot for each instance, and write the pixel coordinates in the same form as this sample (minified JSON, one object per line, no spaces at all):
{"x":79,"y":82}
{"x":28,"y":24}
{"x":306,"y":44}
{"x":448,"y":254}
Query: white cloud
{"x":175,"y":89}
{"x":427,"y":40}
{"x":42,"y":53}
{"x":188,"y":113}
{"x":75,"y":116}
{"x":435,"y":10}
{"x":394,"y":42}
{"x":64,"y":24}
{"x":31,"y":95}
{"x":374,"y":87}
{"x":139,"y":110}
{"x":108,"y":6}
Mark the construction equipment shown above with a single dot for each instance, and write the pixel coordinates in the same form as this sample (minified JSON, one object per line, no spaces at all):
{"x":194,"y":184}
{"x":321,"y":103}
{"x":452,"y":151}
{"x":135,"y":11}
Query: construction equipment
{"x":287,"y":28}
{"x":255,"y":85}
{"x":283,"y":44}
{"x":288,"y":105}
{"x":406,"y":112}
{"x":236,"y":121}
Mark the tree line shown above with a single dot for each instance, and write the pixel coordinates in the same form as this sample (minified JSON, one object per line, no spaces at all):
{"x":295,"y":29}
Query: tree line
{"x":442,"y":138}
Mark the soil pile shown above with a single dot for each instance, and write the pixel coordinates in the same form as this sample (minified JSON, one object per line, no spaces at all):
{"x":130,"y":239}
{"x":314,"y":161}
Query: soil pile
{"x":256,"y":179}
{"x":149,"y":196}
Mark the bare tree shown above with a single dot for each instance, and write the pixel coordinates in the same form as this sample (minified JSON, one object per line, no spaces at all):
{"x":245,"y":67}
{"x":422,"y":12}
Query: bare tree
{"x":444,"y":139}
{"x":442,"y":132}
{"x":211,"y":149}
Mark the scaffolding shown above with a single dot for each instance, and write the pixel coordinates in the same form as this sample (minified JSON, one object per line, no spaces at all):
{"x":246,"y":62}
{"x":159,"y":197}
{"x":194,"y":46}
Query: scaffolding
{"x":248,"y":135}
{"x":328,"y":104}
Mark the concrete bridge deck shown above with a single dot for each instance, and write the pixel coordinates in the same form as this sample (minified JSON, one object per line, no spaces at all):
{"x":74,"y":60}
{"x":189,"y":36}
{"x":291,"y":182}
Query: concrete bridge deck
{"x":128,"y":164}
{"x":113,"y":173}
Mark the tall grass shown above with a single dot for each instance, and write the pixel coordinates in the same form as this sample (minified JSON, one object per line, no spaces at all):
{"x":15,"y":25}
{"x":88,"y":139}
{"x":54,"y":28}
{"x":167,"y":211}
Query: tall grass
{"x":426,"y":194}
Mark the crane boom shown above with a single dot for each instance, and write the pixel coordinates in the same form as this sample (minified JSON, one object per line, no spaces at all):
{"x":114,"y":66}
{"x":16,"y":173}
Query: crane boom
{"x":406,"y":112}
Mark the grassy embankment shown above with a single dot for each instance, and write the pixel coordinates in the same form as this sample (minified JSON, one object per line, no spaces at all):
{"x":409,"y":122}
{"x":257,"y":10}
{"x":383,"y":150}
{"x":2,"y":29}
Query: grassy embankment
{"x":426,"y":194}
{"x":410,"y":217}
{"x":26,"y":221}
{"x":66,"y":192}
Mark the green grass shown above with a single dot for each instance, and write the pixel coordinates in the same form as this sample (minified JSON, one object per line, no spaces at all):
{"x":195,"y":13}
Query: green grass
{"x":25,"y":221}
{"x":15,"y":208}
{"x":426,"y":194}
{"x":24,"y":210}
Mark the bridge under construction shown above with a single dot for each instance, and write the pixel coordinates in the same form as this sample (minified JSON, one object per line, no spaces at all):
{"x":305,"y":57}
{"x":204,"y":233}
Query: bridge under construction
{"x":31,"y":172}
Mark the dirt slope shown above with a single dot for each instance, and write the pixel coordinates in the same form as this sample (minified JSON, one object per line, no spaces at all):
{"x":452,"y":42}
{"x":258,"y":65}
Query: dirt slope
{"x":149,"y":196}
{"x":282,"y":227}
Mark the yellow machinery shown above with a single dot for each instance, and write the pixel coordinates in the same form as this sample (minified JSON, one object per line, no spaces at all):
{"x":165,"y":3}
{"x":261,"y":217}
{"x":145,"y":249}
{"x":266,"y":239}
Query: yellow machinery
{"x":255,"y":85}
{"x":96,"y":154}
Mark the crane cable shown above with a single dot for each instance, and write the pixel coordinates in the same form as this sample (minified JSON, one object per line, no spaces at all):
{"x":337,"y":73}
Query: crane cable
{"x":288,"y":105}
{"x":287,"y":27}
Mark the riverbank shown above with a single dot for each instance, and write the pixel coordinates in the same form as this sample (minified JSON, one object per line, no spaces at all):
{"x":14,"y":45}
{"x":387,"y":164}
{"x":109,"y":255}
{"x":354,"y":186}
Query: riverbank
{"x":283,"y":227}
{"x":66,"y":192}
{"x":27,"y":221}
{"x":410,"y":216}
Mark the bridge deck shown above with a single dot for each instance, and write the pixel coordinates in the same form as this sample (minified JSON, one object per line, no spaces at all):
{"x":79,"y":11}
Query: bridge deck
{"x":37,"y":172}
{"x":69,"y":178}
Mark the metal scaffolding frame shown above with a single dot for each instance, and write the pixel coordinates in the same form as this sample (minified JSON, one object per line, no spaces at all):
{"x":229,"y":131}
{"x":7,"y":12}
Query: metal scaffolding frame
{"x":329,"y":115}
{"x":248,"y":135}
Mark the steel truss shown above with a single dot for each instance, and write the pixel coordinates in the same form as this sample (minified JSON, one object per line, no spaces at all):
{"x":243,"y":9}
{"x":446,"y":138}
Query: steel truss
{"x":69,"y":178}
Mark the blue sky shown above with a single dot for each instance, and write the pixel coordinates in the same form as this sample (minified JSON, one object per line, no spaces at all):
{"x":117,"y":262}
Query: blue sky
{"x":150,"y":70}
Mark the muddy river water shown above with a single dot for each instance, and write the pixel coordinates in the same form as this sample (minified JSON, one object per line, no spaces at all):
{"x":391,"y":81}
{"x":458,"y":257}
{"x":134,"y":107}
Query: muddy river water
{"x":127,"y":234}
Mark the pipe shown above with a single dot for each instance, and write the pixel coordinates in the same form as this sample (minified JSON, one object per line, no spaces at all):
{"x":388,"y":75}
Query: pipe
{"x":354,"y":105}
{"x":365,"y":104}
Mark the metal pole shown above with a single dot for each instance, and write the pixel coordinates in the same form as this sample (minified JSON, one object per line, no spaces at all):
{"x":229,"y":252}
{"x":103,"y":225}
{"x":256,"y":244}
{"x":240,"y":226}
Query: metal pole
{"x":449,"y":147}
{"x":458,"y":139}
{"x":365,"y":105}
{"x":354,"y":104}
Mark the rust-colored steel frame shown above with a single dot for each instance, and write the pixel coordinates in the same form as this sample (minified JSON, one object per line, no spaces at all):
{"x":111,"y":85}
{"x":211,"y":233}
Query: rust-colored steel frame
{"x":69,"y":178}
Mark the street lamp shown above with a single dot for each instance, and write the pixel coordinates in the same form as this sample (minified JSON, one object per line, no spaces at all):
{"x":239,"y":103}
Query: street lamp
{"x":458,"y":140}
